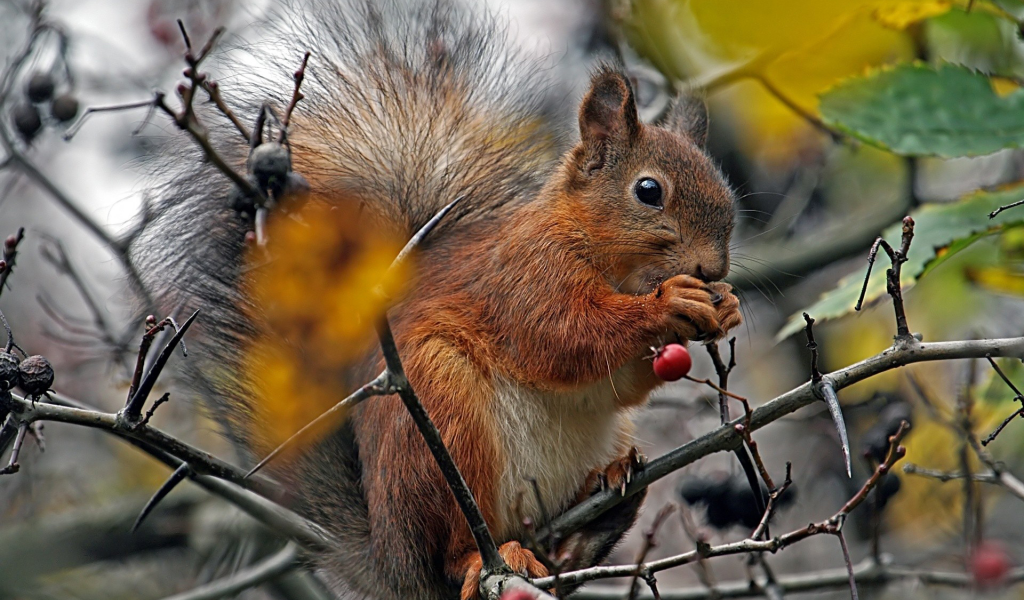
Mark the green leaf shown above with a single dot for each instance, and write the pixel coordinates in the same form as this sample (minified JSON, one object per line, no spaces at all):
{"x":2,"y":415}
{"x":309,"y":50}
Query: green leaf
{"x":920,"y":110}
{"x":940,"y":231}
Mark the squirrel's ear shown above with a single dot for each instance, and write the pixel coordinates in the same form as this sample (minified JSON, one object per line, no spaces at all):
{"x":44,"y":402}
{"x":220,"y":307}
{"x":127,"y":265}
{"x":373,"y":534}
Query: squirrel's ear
{"x":688,"y":116}
{"x":608,"y":114}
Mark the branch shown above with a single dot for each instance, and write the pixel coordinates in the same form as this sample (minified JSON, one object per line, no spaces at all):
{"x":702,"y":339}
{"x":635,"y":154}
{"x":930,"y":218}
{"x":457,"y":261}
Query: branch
{"x":867,"y":572}
{"x":833,"y":526}
{"x":945,"y":476}
{"x":492,"y":561}
{"x":904,"y":352}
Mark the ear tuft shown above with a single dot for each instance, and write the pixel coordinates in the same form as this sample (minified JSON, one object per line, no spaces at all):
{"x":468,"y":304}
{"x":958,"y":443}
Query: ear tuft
{"x":608,"y":112}
{"x":688,"y":116}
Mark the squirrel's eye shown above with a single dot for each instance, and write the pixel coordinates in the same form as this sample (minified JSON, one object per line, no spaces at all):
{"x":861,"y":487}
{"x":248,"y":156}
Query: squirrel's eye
{"x":648,"y":191}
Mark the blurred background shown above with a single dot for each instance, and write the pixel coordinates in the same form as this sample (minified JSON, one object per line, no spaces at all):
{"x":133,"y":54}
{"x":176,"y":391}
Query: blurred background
{"x":810,"y":102}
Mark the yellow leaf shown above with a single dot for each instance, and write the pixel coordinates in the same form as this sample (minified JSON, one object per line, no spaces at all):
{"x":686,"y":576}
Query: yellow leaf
{"x":311,"y":292}
{"x":997,"y":279}
{"x":812,"y":44}
{"x":900,"y":15}
{"x":1003,"y":86}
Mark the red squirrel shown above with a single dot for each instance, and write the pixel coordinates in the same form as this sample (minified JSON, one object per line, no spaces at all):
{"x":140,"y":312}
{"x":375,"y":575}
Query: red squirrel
{"x":528,"y":331}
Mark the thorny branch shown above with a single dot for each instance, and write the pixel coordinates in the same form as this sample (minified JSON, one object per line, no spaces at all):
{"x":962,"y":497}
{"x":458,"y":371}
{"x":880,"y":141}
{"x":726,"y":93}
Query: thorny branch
{"x":903,"y":353}
{"x":833,"y":526}
{"x":257,"y":497}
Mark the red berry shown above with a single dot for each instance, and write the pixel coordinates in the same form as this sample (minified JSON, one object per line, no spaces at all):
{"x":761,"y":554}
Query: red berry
{"x":672,"y":362}
{"x":990,"y":563}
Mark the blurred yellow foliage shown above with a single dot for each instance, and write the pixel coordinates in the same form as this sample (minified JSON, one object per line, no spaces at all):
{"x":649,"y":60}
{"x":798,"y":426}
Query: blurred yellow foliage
{"x":900,"y":15}
{"x":926,"y":506}
{"x":312,"y":292}
{"x":789,"y":51}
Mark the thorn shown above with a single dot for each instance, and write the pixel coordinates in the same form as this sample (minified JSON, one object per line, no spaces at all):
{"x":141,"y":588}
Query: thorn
{"x":176,"y":477}
{"x":828,"y":393}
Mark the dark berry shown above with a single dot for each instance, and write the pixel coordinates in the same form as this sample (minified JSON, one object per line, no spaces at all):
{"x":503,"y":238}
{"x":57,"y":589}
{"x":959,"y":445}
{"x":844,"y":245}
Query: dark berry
{"x":26,"y":120}
{"x":876,"y":439}
{"x":40,"y":87}
{"x":36,"y":375}
{"x":8,"y":371}
{"x":728,"y":501}
{"x":270,"y":164}
{"x":64,"y":108}
{"x":672,"y":362}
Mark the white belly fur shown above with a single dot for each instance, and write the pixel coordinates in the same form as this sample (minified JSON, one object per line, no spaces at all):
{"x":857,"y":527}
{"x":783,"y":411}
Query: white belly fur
{"x":555,"y":438}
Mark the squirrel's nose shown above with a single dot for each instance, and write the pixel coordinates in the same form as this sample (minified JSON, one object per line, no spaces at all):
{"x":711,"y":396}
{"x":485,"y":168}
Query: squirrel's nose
{"x":709,"y":273}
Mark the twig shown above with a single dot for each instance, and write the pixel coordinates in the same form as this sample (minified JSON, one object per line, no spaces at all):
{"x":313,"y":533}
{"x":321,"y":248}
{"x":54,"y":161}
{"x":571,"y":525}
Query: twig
{"x":994,"y":213}
{"x":849,"y":565}
{"x":723,"y":370}
{"x":946,"y":476}
{"x":12,"y":464}
{"x":213,"y":89}
{"x":118,"y":248}
{"x":650,"y":541}
{"x":381,"y":386}
{"x":813,"y":347}
{"x":1017,"y":396}
{"x":866,"y":572}
{"x":298,"y":76}
{"x":62,"y":263}
{"x":773,"y":499}
{"x":7,"y":258}
{"x":492,"y":561}
{"x":493,"y":564}
{"x":892,"y":275}
{"x":67,"y":410}
{"x":832,"y":526}
{"x":726,"y":438}
{"x":77,"y":126}
{"x":277,"y":564}
{"x":133,"y":409}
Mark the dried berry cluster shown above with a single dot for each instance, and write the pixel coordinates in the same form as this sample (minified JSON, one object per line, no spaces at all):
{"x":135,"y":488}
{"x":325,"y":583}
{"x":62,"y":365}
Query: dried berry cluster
{"x":40,"y":91}
{"x":33,"y":375}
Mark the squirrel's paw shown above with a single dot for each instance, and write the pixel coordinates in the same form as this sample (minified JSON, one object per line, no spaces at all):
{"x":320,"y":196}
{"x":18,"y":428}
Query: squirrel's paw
{"x":620,"y":472}
{"x":691,"y":309}
{"x":519,"y":559}
{"x":728,"y":305}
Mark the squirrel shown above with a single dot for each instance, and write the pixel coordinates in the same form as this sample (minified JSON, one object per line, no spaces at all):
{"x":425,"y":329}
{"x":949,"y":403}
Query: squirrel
{"x":529,"y":332}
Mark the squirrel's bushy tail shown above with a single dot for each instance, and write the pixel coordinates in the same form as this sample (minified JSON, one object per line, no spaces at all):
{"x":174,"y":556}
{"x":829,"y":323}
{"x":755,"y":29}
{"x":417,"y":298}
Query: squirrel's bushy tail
{"x":408,"y":106}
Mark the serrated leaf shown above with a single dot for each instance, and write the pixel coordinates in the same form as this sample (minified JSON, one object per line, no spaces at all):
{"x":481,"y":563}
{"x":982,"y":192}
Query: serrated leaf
{"x":920,"y":110}
{"x":941,"y":231}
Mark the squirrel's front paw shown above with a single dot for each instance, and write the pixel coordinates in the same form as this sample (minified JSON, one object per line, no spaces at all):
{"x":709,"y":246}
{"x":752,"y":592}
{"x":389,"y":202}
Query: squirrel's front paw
{"x":728,"y":305}
{"x":690,"y":307}
{"x":519,"y":559}
{"x":620,"y":472}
